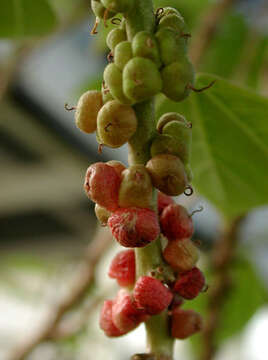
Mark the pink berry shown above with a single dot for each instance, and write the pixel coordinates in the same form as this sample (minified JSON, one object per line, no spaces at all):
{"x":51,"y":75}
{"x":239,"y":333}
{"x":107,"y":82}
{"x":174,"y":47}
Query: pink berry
{"x":176,"y":222}
{"x":190,"y":283}
{"x":102,"y":185}
{"x":185,"y":323}
{"x":106,"y":322}
{"x":151,"y":295}
{"x":122,"y":268}
{"x":134,"y":227}
{"x":163,"y":201}
{"x":125,"y":314}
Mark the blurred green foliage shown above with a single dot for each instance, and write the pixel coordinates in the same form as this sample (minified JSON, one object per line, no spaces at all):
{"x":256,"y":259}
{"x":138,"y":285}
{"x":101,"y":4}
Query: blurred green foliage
{"x":21,"y":18}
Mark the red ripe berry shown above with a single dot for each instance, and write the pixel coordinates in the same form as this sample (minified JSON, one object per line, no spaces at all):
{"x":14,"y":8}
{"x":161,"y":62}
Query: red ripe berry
{"x":151,"y":295}
{"x":163,"y":201}
{"x":176,"y":222}
{"x":122,"y":268}
{"x":102,"y":185}
{"x":125,"y":314}
{"x":134,"y":227}
{"x":190,"y":283}
{"x":106,"y":322}
{"x":185,"y":323}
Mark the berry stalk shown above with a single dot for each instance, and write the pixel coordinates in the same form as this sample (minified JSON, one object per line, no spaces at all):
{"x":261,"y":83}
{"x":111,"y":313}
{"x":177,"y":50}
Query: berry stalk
{"x":149,"y":258}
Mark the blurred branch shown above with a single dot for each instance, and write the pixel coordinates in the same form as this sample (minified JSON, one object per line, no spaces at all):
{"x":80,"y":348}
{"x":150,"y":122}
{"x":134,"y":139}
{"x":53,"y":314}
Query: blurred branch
{"x":222,"y":257}
{"x":77,"y":290}
{"x":208,"y":29}
{"x":66,"y":329}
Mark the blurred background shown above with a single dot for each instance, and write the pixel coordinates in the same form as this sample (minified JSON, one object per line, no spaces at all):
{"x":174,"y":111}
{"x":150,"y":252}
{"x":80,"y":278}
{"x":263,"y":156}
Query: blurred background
{"x":46,"y":221}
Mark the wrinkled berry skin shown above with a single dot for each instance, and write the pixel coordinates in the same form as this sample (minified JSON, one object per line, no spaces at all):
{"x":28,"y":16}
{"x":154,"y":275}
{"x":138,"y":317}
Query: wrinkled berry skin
{"x":151,"y":295}
{"x":190,"y":284}
{"x":163,"y":201}
{"x":176,"y":222}
{"x":123,"y":268}
{"x":125,"y":314}
{"x":106,"y":322}
{"x":185,"y":323}
{"x":168,"y":174}
{"x":102,"y":185}
{"x":134,"y":227}
{"x":182,"y":255}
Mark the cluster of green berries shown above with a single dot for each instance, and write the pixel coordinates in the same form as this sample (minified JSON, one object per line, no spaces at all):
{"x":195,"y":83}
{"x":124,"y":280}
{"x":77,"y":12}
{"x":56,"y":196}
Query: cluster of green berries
{"x":143,"y":66}
{"x":150,"y":63}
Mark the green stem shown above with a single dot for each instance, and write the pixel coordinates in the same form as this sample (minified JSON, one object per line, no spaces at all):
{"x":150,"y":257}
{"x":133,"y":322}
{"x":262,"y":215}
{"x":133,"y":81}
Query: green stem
{"x":159,"y":341}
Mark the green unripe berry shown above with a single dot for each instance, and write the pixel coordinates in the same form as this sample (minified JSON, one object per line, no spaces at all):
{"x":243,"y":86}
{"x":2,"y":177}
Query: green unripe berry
{"x":176,"y":79}
{"x":87,"y":110}
{"x":122,"y":54}
{"x":118,"y":6}
{"x":168,"y":117}
{"x":182,"y":134}
{"x":172,"y":46}
{"x":99,"y":10}
{"x":136,"y":188}
{"x":141,"y":79}
{"x":164,"y":144}
{"x":114,"y":37}
{"x":113,"y":80}
{"x":116,"y":123}
{"x":173,"y":21}
{"x":167,"y":174}
{"x":145,"y":45}
{"x":102,"y":214}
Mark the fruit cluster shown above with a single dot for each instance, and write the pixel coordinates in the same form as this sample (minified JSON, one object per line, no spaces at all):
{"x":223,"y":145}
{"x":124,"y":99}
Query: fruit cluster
{"x":143,"y":66}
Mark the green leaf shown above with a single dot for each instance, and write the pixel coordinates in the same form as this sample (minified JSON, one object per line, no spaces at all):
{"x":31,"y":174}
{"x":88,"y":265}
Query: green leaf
{"x":256,"y":65}
{"x":246,"y":296}
{"x":21,"y":18}
{"x":230,"y":39}
{"x":230,"y":144}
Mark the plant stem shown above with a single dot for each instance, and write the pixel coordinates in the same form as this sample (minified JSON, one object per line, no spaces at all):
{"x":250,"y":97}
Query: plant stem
{"x":159,"y":341}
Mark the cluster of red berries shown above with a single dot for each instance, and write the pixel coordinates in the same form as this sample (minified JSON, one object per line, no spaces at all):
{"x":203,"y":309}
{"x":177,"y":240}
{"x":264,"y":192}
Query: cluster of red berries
{"x":133,"y":226}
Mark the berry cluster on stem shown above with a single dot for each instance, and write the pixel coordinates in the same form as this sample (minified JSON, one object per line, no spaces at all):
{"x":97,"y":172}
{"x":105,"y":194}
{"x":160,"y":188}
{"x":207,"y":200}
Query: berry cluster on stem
{"x":157,"y":272}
